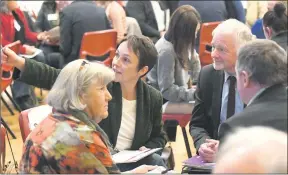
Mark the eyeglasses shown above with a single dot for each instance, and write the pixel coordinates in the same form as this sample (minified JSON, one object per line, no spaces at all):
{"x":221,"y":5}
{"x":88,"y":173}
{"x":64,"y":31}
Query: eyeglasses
{"x":83,"y":65}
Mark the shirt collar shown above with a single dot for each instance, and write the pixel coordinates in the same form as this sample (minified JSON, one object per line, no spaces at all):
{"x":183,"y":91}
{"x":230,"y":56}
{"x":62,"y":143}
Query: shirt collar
{"x":256,"y":95}
{"x":226,"y":76}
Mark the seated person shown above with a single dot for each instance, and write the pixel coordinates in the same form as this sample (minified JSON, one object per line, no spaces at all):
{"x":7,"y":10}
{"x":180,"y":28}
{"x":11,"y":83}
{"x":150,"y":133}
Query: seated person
{"x":14,"y":27}
{"x":135,"y":111}
{"x":261,"y":73}
{"x":48,"y":18}
{"x":275,"y":25}
{"x":116,"y":16}
{"x":177,"y":63}
{"x":69,"y":140}
{"x":143,"y":12}
{"x":76,"y":19}
{"x":215,"y":95}
{"x":253,"y":150}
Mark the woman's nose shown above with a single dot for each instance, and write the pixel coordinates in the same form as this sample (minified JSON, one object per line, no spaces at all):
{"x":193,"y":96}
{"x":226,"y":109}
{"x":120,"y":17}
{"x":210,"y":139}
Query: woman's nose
{"x":108,"y":95}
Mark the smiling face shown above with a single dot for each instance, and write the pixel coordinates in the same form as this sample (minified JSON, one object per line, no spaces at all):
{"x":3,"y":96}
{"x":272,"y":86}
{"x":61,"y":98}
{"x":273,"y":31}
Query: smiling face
{"x":224,"y":52}
{"x":96,"y":98}
{"x":125,"y":65}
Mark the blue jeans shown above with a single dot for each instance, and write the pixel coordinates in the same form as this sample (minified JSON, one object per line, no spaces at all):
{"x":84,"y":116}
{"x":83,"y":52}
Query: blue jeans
{"x":153,"y":159}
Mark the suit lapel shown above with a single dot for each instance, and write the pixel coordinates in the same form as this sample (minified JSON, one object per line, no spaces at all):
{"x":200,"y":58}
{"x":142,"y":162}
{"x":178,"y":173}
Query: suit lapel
{"x":217,"y":98}
{"x":116,"y":112}
{"x":140,"y":116}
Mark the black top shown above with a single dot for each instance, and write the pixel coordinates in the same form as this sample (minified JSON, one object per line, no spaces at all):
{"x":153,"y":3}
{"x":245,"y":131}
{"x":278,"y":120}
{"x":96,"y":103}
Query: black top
{"x":19,"y":35}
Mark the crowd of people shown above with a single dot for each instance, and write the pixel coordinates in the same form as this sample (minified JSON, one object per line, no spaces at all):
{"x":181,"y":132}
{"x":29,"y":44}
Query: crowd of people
{"x":240,"y":110}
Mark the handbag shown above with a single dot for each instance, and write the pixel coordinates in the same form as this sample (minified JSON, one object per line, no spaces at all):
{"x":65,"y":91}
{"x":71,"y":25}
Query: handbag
{"x":168,"y":157}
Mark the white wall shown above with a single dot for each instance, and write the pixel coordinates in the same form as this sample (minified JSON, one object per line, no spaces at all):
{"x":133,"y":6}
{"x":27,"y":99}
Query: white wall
{"x":31,"y":5}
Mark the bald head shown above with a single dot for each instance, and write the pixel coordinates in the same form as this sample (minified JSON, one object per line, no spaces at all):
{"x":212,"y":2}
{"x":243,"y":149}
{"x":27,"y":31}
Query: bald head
{"x":253,"y":150}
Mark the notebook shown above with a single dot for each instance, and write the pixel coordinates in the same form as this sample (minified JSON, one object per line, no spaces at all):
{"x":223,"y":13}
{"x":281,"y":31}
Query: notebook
{"x":130,"y":156}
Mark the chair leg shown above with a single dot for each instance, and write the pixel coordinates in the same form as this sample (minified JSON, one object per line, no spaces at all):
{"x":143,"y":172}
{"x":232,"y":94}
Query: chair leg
{"x":7,"y":106}
{"x":186,"y":142}
{"x":13,"y":102}
{"x":41,"y":93}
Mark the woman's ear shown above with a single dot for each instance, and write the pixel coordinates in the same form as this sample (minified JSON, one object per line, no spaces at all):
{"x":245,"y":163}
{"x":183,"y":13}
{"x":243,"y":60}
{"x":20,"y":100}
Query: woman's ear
{"x":143,"y":71}
{"x":83,"y":98}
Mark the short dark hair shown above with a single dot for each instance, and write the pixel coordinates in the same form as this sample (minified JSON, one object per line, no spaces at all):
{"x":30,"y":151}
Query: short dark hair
{"x":277,"y":18}
{"x":265,"y":61}
{"x":145,"y":50}
{"x":181,"y":32}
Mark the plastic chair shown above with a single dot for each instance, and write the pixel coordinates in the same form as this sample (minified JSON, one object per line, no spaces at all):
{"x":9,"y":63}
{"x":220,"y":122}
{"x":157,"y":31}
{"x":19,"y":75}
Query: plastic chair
{"x":2,"y":147}
{"x":205,"y":42}
{"x":25,"y":121}
{"x":99,"y":43}
{"x":183,"y":120}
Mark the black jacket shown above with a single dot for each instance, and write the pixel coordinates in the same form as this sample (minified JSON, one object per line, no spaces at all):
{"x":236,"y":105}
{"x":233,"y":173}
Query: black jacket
{"x":42,"y":22}
{"x":208,"y":98}
{"x":76,"y":19}
{"x":143,"y":12}
{"x":268,"y":109}
{"x":281,"y":39}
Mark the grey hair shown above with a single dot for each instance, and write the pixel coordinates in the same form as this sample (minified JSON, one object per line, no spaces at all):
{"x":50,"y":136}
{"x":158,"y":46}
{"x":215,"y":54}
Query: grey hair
{"x":4,"y":7}
{"x":74,"y":80}
{"x":265,"y":145}
{"x":265,"y":61}
{"x":241,"y":31}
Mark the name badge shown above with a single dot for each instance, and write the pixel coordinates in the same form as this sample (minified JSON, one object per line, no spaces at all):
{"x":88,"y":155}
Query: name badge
{"x":52,"y":17}
{"x":16,"y":25}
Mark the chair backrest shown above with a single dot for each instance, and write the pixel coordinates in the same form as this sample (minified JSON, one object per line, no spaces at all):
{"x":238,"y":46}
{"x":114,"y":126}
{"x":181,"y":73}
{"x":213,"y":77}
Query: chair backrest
{"x":30,"y":118}
{"x":6,"y":70}
{"x":205,"y":42}
{"x":99,"y":43}
{"x":2,"y":148}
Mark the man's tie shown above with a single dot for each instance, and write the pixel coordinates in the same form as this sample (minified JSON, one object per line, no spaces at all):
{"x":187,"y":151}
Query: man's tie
{"x":231,"y":97}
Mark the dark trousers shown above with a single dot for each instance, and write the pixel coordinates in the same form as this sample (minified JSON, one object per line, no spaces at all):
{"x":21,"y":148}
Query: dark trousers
{"x":153,"y":159}
{"x":22,"y":93}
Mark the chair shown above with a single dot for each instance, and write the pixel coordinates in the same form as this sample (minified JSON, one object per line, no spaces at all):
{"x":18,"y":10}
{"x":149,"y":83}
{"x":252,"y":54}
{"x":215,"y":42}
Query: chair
{"x":205,"y":42}
{"x":29,"y":119}
{"x":6,"y":77}
{"x":2,"y":148}
{"x":183,"y":120}
{"x":99,"y":43}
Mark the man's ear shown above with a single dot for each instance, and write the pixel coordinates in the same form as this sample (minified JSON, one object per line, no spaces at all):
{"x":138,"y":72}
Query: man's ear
{"x":268,"y":32}
{"x":246,"y":79}
{"x":143,"y":71}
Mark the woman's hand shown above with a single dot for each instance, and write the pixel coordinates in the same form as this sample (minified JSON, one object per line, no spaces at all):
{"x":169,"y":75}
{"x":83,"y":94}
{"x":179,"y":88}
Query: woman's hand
{"x":12,"y":59}
{"x":143,"y":169}
{"x":42,"y":36}
{"x":30,"y":50}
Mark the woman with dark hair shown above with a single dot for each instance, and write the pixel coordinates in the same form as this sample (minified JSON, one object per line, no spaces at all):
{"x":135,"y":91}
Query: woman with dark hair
{"x":275,"y":25}
{"x":178,"y":61}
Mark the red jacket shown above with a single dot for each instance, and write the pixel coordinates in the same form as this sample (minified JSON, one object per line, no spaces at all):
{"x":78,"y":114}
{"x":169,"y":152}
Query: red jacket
{"x":8,"y":30}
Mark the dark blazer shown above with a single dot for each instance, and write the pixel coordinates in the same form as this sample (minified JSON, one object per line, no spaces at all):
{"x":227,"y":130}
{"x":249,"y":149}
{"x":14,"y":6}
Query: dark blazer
{"x":268,"y":109}
{"x":76,"y":19}
{"x":143,"y":12}
{"x":42,"y":22}
{"x":208,"y":98}
{"x":281,"y":39}
{"x":149,"y":128}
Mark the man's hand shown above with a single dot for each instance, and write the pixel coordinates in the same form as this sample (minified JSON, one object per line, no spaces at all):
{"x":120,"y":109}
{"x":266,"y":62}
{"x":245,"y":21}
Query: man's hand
{"x":143,"y":169}
{"x":208,"y":150}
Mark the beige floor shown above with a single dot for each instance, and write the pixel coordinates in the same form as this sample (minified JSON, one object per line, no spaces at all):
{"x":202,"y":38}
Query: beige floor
{"x":178,"y":146}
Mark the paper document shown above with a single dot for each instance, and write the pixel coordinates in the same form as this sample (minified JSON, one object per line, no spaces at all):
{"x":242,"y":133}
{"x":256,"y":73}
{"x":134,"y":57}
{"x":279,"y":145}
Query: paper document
{"x":198,"y":162}
{"x":31,"y":56}
{"x":129,"y":156}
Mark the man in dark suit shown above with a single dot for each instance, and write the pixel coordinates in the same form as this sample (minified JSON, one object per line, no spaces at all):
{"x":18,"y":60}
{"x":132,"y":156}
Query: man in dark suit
{"x":261,"y":77}
{"x":143,"y":12}
{"x":215,"y":96}
{"x":76,"y":19}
